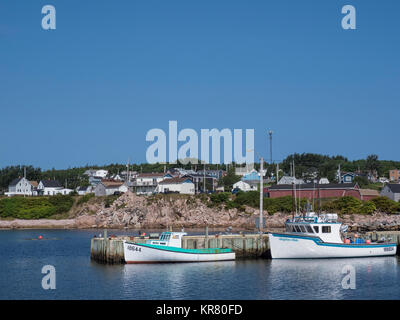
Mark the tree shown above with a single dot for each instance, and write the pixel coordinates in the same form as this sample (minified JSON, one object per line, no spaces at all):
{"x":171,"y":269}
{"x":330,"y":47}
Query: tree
{"x":230,"y":179}
{"x":372,"y":163}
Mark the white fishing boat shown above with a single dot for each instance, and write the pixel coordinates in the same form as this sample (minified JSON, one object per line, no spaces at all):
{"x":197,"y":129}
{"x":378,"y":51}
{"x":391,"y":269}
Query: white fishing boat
{"x":168,"y":248}
{"x":322,"y":236}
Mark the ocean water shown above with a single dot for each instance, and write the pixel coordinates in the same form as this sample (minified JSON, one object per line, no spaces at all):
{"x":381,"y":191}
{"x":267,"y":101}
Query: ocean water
{"x":22,"y":257}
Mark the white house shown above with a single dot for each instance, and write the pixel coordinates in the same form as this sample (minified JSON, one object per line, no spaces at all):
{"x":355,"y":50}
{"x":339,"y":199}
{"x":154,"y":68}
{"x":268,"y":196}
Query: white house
{"x":51,"y":188}
{"x":244,"y":186}
{"x":101,"y":173}
{"x":146,"y":183}
{"x":383,"y":180}
{"x":181,"y":185}
{"x":21,"y":186}
{"x":64,"y":191}
{"x":392,"y":191}
{"x":323,"y":181}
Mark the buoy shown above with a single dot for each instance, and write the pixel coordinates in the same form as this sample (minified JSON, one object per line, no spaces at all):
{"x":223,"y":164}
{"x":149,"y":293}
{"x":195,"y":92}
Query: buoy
{"x":40,"y":237}
{"x":347,"y":241}
{"x":367,"y":241}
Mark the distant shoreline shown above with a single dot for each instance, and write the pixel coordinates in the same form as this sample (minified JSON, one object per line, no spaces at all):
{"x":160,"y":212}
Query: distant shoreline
{"x":360,"y":223}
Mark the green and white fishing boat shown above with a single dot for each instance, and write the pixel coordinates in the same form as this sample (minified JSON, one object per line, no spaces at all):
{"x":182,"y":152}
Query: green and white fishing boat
{"x":168,"y":248}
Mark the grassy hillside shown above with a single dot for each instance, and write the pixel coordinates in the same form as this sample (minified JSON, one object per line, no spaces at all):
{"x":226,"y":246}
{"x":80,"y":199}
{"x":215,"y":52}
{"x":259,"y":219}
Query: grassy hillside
{"x":35,"y":207}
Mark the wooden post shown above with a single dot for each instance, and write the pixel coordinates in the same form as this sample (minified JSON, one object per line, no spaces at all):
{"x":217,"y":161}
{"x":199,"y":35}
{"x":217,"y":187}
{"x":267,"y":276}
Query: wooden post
{"x":206,"y":239}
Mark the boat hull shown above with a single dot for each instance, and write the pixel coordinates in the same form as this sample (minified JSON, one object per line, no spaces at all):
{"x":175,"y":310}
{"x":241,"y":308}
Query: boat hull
{"x":289,"y":246}
{"x":145,"y":253}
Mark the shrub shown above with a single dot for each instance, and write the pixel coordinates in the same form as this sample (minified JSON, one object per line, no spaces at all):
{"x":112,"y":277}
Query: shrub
{"x":218,"y":198}
{"x":384,"y":204}
{"x":85,"y":198}
{"x":368,"y":207}
{"x":62,"y":203}
{"x":34,"y":208}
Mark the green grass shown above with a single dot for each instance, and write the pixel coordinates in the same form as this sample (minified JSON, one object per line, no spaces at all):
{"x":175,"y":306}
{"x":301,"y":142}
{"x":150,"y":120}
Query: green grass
{"x":36,"y":207}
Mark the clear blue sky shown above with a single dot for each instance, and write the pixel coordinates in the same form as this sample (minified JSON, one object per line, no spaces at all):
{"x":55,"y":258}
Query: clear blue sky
{"x":89,"y":91}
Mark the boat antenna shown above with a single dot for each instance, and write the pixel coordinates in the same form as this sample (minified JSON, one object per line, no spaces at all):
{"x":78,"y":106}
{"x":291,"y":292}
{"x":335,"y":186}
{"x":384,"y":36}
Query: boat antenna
{"x":293,"y":204}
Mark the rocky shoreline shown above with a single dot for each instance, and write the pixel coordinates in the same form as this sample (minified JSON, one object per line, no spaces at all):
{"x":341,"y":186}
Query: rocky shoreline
{"x":136,"y":212}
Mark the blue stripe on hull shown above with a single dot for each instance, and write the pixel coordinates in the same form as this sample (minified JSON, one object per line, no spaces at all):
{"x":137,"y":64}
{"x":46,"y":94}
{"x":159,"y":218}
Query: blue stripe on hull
{"x":319,"y":242}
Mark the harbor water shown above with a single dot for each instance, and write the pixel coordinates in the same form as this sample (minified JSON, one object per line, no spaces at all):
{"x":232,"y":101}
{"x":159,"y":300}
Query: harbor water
{"x":23,"y":255}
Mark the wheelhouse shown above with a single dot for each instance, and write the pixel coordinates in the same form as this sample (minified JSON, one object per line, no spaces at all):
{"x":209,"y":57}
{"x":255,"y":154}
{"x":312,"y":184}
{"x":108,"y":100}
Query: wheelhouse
{"x":170,"y":239}
{"x":324,"y":226}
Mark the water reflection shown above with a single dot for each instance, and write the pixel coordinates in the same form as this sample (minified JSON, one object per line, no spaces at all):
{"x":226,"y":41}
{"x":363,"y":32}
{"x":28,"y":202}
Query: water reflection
{"x":80,"y":278}
{"x":174,"y":280}
{"x":322,"y":278}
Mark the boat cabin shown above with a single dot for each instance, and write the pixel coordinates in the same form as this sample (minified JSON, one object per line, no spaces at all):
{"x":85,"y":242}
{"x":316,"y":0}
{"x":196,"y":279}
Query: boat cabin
{"x":169,"y":239}
{"x":324,"y":226}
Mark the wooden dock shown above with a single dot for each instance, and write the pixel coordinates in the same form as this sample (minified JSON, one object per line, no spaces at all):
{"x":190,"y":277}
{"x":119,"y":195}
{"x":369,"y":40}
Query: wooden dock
{"x":246,"y":246}
{"x":249,"y":246}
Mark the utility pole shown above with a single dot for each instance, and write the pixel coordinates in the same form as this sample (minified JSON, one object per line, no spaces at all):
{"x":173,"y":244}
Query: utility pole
{"x":204,"y":177}
{"x":277,"y":173}
{"x":270,"y":146}
{"x":25,"y":179}
{"x":261,"y":196}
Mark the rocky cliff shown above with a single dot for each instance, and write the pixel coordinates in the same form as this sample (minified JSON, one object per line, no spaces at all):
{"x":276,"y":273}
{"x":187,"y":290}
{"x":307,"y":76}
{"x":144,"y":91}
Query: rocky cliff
{"x":177,"y":211}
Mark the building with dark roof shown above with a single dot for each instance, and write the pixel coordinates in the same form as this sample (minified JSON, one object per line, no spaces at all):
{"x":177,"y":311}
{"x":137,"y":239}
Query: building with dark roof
{"x":392,"y":191}
{"x":51,"y":188}
{"x":21,"y":186}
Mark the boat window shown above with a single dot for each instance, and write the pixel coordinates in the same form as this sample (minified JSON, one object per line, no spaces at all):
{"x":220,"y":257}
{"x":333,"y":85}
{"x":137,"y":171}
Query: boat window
{"x":288,"y":228}
{"x":296,"y":228}
{"x":326,"y":229}
{"x":316,"y":228}
{"x":309,"y":229}
{"x":303,"y":229}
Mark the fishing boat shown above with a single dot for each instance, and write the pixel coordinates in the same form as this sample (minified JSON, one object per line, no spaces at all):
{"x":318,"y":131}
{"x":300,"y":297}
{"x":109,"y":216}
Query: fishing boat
{"x":321,"y":236}
{"x":168,"y":248}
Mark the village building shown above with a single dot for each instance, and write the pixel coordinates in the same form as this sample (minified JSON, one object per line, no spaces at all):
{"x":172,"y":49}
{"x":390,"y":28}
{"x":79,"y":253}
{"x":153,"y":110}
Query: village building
{"x":244,"y":186}
{"x":290,"y":180}
{"x":323,"y":181}
{"x":198,"y":179}
{"x":49,"y":187}
{"x":128,"y":176}
{"x":347,"y":177}
{"x":182,"y":185}
{"x":146,"y":183}
{"x":368,"y":194}
{"x":394,"y":175}
{"x":314,"y":191}
{"x":94,"y":180}
{"x":110,"y":187}
{"x":392,"y":191}
{"x":90,"y":172}
{"x":251,"y":176}
{"x":241,"y":171}
{"x":52,"y":188}
{"x":383,"y":180}
{"x":21,"y":186}
{"x":101,"y":173}
{"x":84,"y":190}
